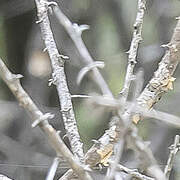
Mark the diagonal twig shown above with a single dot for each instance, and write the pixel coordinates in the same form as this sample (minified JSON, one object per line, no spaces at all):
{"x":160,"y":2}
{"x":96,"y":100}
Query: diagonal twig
{"x":53,"y":169}
{"x":149,"y":162}
{"x":12,"y":81}
{"x":86,"y":69}
{"x":74,"y":32}
{"x":173,"y":150}
{"x":162,"y":81}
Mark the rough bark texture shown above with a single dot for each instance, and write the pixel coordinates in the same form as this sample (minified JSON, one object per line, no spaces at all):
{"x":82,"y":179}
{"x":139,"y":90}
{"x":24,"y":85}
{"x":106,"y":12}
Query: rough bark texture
{"x":162,"y":81}
{"x":59,"y":79}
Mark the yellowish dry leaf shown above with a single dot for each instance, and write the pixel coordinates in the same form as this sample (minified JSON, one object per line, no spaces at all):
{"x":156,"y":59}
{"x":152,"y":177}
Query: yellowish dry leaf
{"x":170,"y":83}
{"x":105,"y":153}
{"x":136,"y":118}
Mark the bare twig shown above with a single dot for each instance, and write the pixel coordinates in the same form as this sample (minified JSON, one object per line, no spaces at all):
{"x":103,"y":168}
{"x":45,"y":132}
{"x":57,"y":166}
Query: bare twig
{"x":12,"y":81}
{"x":152,"y":113}
{"x":133,"y":48}
{"x":133,"y":172}
{"x":53,"y":169}
{"x":162,"y":81}
{"x":74,"y":32}
{"x":149,"y":162}
{"x":173,"y":150}
{"x":59,"y":79}
{"x":86,"y":69}
{"x":126,"y":115}
{"x":162,"y":116}
{"x":111,"y":136}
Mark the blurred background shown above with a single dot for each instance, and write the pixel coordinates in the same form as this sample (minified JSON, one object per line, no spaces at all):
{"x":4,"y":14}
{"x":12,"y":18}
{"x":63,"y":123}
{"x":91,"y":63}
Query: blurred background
{"x":24,"y":152}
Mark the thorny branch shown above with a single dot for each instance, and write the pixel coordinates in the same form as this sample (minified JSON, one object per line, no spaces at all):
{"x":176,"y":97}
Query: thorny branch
{"x":162,"y":81}
{"x":12,"y":81}
{"x":174,"y":148}
{"x":169,"y":61}
{"x":59,"y":79}
{"x":75,"y":32}
{"x":126,"y":115}
{"x":134,"y":48}
{"x":102,"y":150}
{"x":106,"y":143}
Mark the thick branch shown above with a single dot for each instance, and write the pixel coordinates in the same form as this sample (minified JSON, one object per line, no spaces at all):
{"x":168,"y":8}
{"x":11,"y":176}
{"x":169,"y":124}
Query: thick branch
{"x":40,"y":119}
{"x":59,"y":79}
{"x":162,"y":81}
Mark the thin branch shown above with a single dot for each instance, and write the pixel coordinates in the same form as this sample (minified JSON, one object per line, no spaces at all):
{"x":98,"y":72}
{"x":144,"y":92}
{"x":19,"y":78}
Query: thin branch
{"x":125,"y":126}
{"x":152,"y":113}
{"x":111,"y":136}
{"x":149,"y":162}
{"x":12,"y":81}
{"x":75,"y":32}
{"x":174,"y":148}
{"x":133,"y":172}
{"x":86,"y":69}
{"x":134,"y":48}
{"x":59,"y":79}
{"x":162,"y":116}
{"x":126,"y":116}
{"x":53,"y":169}
{"x":162,"y":81}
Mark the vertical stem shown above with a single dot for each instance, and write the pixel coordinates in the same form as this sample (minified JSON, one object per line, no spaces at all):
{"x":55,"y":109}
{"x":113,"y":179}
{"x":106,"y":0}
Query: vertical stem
{"x":59,"y":79}
{"x":134,"y":48}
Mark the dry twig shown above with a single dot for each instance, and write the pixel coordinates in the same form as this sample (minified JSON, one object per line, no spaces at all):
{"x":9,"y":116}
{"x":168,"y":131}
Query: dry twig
{"x":126,"y":115}
{"x":75,"y":31}
{"x":174,"y":148}
{"x":59,"y":79}
{"x":106,"y":142}
{"x":12,"y":81}
{"x":134,"y":48}
{"x":162,"y":81}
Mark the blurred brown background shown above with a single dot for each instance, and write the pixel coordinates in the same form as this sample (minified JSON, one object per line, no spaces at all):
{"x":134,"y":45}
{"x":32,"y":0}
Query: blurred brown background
{"x":24,"y":152}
